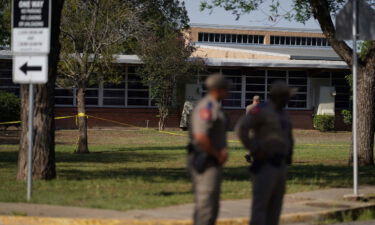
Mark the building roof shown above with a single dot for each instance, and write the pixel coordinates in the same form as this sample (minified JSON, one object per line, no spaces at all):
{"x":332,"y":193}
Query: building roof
{"x":272,"y":63}
{"x":223,"y":62}
{"x":257,"y":28}
{"x":295,"y":53}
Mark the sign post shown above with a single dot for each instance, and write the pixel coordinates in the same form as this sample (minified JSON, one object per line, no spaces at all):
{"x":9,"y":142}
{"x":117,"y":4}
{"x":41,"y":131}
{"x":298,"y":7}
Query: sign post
{"x":349,"y":26}
{"x":31,"y":33}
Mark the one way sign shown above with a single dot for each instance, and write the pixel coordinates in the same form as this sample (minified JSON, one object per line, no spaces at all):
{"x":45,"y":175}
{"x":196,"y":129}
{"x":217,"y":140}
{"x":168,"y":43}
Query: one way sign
{"x":30,"y":69}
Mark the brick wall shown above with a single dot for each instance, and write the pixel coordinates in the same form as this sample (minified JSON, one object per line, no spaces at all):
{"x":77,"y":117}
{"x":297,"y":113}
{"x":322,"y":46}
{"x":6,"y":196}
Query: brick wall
{"x":301,"y":119}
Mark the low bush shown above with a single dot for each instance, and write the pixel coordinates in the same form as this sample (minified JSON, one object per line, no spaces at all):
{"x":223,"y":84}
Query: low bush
{"x":9,"y":107}
{"x":324,"y":123}
{"x":347,"y":116}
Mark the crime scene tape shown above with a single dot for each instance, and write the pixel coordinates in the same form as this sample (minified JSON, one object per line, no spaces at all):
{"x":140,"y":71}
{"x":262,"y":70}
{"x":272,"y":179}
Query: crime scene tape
{"x":159,"y":131}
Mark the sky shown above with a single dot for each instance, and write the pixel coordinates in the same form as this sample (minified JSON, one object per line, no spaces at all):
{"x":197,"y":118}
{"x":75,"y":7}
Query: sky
{"x":256,"y":18}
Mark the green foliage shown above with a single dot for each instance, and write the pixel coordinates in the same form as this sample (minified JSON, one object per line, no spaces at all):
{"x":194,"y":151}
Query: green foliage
{"x":301,"y":10}
{"x":5,"y":18}
{"x":324,"y":123}
{"x":166,"y":63}
{"x":347,"y":116}
{"x":9,"y":107}
{"x":92,"y":32}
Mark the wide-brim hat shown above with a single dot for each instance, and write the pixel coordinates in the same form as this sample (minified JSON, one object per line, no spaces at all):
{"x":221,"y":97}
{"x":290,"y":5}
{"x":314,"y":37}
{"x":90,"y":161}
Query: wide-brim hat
{"x":281,"y":88}
{"x":217,"y":81}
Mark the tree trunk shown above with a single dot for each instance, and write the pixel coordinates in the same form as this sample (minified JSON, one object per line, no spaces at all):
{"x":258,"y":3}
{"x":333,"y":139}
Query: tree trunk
{"x":82,"y":147}
{"x":365,"y":117}
{"x":163,"y":113}
{"x":44,"y":103}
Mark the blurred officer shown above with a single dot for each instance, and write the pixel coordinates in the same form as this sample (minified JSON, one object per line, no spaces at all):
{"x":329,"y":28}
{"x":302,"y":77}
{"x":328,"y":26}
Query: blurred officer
{"x":256,"y":101}
{"x":271,"y":147}
{"x":208,"y":150}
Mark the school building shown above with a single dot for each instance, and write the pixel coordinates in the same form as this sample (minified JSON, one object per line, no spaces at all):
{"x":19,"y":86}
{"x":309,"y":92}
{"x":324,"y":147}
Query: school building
{"x":251,"y":57}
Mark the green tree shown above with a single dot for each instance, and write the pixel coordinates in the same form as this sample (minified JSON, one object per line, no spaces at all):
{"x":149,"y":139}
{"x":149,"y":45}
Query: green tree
{"x":93,"y":31}
{"x":324,"y":12}
{"x":5,"y":17}
{"x":165,"y":64}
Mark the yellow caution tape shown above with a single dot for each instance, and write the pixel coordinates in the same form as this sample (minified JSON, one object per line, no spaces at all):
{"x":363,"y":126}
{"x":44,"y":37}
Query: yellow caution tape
{"x":81,"y":115}
{"x":13,"y":122}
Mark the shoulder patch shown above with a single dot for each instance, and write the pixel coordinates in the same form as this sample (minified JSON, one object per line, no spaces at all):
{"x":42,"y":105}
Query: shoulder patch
{"x":206,"y":112}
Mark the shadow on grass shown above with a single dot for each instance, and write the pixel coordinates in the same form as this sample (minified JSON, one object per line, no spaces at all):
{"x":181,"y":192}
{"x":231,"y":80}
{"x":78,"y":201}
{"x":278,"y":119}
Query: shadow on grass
{"x":9,"y":137}
{"x":156,"y":168}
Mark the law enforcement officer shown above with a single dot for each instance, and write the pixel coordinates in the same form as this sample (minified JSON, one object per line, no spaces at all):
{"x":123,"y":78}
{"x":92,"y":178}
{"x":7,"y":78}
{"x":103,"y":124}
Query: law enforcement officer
{"x":256,"y":101}
{"x":208,"y":150}
{"x":266,"y":131}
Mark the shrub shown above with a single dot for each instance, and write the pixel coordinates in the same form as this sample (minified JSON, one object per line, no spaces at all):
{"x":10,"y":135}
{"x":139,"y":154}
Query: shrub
{"x":324,"y":122}
{"x":347,"y":116}
{"x":9,"y":107}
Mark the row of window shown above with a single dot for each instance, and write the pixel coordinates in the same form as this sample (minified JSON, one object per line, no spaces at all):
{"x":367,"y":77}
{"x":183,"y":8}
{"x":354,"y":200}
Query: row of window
{"x":245,"y":85}
{"x":130,"y":92}
{"x":299,"y":41}
{"x":231,"y":38}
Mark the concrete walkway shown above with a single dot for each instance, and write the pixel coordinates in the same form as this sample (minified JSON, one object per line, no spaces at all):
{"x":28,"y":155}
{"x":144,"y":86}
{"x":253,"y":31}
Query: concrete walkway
{"x":298,"y":207}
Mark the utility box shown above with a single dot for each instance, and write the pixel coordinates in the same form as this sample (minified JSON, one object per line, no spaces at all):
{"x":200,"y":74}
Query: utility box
{"x":326,"y":103}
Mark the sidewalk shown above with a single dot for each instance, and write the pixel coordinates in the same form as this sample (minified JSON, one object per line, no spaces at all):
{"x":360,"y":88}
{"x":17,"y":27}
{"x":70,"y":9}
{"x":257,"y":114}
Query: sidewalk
{"x":298,"y":207}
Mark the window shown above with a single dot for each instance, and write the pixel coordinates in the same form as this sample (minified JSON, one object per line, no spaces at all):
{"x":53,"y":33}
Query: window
{"x":200,"y":37}
{"x":228,"y":38}
{"x":231,"y":38}
{"x":244,"y":39}
{"x":138,"y":94}
{"x":234,"y":96}
{"x":114,"y":93}
{"x":234,"y":38}
{"x":298,"y":80}
{"x":255,"y":85}
{"x":205,"y":37}
{"x":217,"y":37}
{"x":247,"y":84}
{"x":6,"y":80}
{"x":300,"y":41}
{"x":211,"y":37}
{"x":342,"y":98}
{"x":222,"y":38}
{"x":239,"y":38}
{"x":64,"y":96}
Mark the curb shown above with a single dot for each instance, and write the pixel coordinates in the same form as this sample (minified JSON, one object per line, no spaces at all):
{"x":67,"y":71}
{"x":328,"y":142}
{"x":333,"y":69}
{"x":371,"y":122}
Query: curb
{"x":289,"y":218}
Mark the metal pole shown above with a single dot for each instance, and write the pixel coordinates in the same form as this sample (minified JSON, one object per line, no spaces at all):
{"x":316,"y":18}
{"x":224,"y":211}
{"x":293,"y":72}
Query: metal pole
{"x":30,"y":142}
{"x":355,"y":65}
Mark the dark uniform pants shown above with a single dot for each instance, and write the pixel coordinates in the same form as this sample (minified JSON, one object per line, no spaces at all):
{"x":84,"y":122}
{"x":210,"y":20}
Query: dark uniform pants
{"x":268,"y":193}
{"x":206,"y":187}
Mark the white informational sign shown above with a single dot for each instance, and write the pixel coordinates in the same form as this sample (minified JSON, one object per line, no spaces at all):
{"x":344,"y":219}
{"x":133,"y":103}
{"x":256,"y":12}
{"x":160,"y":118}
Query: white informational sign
{"x":31,"y":40}
{"x":31,"y":26}
{"x":30,"y":69}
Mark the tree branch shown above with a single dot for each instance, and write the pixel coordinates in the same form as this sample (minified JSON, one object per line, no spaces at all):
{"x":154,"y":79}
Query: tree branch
{"x":321,"y":12}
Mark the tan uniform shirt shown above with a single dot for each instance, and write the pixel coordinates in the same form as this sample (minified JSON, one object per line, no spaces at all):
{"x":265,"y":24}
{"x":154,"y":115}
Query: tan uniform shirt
{"x":266,"y":130}
{"x":208,"y":118}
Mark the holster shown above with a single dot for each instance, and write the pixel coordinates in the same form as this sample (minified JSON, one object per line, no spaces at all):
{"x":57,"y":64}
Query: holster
{"x":200,"y":159}
{"x":276,"y":160}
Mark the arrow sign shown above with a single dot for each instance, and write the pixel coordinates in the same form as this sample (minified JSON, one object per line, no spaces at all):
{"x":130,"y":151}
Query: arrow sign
{"x":30,"y":69}
{"x":26,"y":68}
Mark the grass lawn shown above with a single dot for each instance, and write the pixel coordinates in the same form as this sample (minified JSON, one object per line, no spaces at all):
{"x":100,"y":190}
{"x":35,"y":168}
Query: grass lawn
{"x":134,"y":169}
